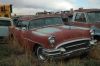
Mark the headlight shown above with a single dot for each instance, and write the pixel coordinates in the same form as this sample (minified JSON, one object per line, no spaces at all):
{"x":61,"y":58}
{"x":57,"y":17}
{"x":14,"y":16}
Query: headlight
{"x":92,"y":32}
{"x":52,"y":40}
{"x":93,"y":42}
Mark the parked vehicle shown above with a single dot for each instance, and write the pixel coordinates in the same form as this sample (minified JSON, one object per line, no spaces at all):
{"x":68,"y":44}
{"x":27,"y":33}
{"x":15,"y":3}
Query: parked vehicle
{"x":48,"y":37}
{"x":88,"y":19}
{"x":5,"y":24}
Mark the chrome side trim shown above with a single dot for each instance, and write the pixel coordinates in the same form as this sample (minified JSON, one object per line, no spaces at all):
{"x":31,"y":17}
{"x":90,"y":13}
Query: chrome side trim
{"x":52,"y":54}
{"x":71,"y":42}
{"x":51,"y":50}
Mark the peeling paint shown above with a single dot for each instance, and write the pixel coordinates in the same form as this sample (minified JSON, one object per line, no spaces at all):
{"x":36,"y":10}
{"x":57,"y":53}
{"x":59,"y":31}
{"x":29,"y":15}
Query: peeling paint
{"x":48,"y":30}
{"x":75,"y":27}
{"x":38,"y":33}
{"x":67,"y":27}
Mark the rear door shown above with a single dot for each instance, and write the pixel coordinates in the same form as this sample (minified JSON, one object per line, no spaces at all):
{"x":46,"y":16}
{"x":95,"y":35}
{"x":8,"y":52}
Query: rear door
{"x":21,"y":30}
{"x":17,"y":31}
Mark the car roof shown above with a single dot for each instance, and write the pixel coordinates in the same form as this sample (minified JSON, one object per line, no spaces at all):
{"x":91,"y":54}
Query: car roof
{"x":25,"y":18}
{"x":28,"y":18}
{"x":5,"y":18}
{"x":46,"y":16}
{"x":87,"y":10}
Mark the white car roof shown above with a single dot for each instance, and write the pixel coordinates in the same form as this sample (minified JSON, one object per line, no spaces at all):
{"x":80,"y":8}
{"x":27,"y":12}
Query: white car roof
{"x":5,"y":18}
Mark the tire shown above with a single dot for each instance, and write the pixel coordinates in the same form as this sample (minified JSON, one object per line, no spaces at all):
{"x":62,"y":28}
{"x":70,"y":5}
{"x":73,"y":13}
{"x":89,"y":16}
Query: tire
{"x":39,"y":54}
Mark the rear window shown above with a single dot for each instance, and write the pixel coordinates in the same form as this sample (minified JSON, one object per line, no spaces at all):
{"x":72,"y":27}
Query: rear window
{"x":5,"y":23}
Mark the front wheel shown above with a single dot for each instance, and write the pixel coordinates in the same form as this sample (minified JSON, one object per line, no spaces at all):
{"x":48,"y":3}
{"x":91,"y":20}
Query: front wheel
{"x":39,"y":54}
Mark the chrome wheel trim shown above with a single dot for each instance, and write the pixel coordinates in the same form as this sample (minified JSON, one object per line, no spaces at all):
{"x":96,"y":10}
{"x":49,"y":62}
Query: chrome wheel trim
{"x":40,"y":56}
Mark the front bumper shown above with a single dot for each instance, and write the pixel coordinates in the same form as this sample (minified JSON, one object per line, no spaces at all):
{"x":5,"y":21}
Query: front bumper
{"x":59,"y":53}
{"x":68,"y":50}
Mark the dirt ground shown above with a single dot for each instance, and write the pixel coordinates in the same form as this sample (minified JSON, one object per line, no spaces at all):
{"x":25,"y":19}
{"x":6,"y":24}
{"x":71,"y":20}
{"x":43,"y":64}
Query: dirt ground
{"x":15,"y":56}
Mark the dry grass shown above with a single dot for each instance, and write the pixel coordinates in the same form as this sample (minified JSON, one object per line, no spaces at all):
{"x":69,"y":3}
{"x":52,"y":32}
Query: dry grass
{"x":14,"y":55}
{"x":95,"y":52}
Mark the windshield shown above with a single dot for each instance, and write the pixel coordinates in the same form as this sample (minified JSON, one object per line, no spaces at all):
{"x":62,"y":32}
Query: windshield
{"x":93,"y":16}
{"x":45,"y":22}
{"x":5,"y":23}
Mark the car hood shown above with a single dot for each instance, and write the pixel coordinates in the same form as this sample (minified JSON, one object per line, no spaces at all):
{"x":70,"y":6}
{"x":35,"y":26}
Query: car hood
{"x":62,"y":34}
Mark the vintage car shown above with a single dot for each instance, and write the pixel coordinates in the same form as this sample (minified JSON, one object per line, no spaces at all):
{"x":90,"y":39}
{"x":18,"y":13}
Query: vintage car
{"x":5,"y":24}
{"x":48,"y":37}
{"x":87,"y":18}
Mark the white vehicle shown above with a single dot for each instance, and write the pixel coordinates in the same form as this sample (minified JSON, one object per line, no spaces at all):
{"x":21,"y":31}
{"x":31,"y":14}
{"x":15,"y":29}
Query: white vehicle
{"x":5,"y":23}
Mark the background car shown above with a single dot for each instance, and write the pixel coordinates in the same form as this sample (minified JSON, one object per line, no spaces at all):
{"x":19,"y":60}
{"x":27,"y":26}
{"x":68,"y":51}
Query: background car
{"x":5,"y":24}
{"x":87,"y":18}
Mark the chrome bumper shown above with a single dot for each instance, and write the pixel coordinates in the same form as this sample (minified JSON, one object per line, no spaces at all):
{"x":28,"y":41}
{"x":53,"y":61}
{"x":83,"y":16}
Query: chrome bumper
{"x":68,"y":49}
{"x":62,"y":53}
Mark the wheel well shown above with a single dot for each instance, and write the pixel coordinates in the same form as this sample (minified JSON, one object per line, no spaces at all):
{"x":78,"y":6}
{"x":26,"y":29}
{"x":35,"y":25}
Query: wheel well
{"x":35,"y":47}
{"x":12,"y":35}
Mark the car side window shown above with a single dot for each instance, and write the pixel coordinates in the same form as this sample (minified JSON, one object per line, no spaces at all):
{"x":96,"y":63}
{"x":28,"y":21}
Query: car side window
{"x":18,"y":24}
{"x":80,"y":17}
{"x":25,"y":23}
{"x":21,"y":24}
{"x":15,"y":21}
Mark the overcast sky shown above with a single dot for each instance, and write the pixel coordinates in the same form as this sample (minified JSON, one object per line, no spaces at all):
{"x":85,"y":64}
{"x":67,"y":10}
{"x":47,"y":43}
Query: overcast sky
{"x":33,"y":6}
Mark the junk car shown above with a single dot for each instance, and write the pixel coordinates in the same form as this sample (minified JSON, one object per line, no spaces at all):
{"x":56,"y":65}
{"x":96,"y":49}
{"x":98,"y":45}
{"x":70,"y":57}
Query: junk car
{"x":88,"y":19}
{"x":5,"y":24}
{"x":48,"y":37}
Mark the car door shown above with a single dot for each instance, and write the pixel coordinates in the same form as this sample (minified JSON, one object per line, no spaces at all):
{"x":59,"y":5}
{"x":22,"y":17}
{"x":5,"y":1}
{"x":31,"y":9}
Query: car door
{"x":17,"y":31}
{"x":23,"y":32}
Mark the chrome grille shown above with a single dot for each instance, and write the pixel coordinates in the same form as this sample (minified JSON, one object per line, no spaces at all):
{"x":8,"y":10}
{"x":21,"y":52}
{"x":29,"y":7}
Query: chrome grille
{"x":76,"y":45}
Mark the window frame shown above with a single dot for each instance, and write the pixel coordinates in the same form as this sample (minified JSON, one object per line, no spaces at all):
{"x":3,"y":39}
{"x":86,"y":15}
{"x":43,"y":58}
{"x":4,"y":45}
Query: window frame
{"x":81,"y":13}
{"x":43,"y":20}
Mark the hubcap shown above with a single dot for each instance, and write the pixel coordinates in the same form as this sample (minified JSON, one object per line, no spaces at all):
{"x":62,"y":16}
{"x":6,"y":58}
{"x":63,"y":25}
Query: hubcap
{"x":41,"y":57}
{"x":40,"y":54}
